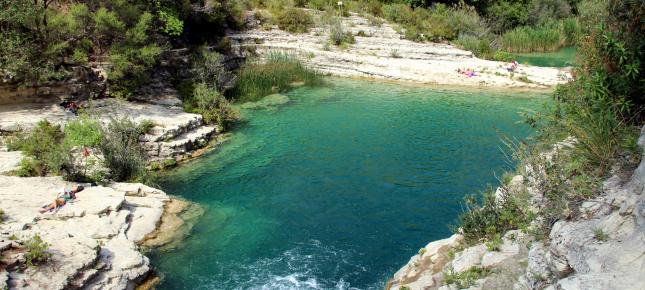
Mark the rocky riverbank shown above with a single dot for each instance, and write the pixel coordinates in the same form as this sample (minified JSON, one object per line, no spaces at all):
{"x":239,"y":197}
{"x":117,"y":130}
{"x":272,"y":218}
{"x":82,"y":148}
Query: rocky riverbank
{"x":380,"y":52}
{"x":603,"y":248}
{"x":95,"y":241}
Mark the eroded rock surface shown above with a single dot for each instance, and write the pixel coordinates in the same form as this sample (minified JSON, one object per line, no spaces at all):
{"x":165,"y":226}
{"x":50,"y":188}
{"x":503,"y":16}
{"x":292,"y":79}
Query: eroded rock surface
{"x":382,"y":54}
{"x":602,"y":248}
{"x":94,"y":240}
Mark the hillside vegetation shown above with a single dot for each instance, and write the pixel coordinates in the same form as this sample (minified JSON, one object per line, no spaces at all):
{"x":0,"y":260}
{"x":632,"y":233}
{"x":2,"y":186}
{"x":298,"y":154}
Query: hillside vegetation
{"x":602,"y":109}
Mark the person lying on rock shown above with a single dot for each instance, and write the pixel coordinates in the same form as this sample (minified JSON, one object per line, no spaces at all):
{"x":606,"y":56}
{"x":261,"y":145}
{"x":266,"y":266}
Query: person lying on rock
{"x":62,"y":198}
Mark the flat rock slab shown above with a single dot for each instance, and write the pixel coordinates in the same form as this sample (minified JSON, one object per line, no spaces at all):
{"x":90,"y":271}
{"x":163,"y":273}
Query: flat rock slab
{"x":9,"y":161}
{"x":25,"y":116}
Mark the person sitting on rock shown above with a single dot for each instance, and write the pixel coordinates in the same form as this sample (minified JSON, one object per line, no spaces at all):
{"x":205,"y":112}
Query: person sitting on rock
{"x":62,"y":198}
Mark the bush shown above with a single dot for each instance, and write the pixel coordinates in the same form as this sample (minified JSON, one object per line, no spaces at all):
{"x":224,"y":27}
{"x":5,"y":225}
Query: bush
{"x":213,"y":106}
{"x":492,"y":217}
{"x":481,"y":47}
{"x":465,"y":279}
{"x":36,"y":251}
{"x":506,"y":15}
{"x":122,"y":151}
{"x":258,"y":79}
{"x":295,"y":20}
{"x":503,"y":56}
{"x":338,"y":35}
{"x":399,"y":13}
{"x":45,"y":148}
{"x":83,"y":131}
{"x":546,"y":10}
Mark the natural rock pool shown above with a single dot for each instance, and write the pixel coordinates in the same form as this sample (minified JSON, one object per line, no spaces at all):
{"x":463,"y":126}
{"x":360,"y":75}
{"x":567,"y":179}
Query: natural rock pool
{"x":339,"y":187}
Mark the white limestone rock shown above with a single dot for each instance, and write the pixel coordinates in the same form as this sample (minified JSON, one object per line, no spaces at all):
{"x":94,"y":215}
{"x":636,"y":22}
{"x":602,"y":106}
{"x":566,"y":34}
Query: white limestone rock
{"x":468,"y":258}
{"x":9,"y":161}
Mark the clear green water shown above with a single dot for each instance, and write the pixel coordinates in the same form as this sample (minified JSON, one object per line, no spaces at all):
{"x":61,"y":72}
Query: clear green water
{"x":561,"y":58}
{"x":338,"y":188}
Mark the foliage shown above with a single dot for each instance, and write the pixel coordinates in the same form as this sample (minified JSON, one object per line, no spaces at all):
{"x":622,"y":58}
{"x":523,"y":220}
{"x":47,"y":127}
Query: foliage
{"x":479,"y":46}
{"x":83,"y":131}
{"x":280,"y":70}
{"x":600,"y":235}
{"x":36,"y":251}
{"x":506,"y":15}
{"x":495,"y":243}
{"x":338,"y":35}
{"x":547,"y":10}
{"x":2,"y":215}
{"x":171,"y":24}
{"x":465,"y":279}
{"x":122,"y":151}
{"x":44,"y":146}
{"x":549,"y":36}
{"x":213,"y":106}
{"x":41,"y":39}
{"x":209,"y":68}
{"x":295,"y":20}
{"x":492,"y":217}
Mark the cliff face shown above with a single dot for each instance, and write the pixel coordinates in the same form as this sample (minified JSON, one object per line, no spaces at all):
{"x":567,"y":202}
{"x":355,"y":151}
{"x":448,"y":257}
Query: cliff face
{"x":603,"y":248}
{"x":94,"y":240}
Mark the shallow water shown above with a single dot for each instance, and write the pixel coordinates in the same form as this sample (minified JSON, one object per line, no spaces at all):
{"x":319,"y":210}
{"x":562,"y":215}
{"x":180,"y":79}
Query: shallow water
{"x":561,"y":58}
{"x":339,"y":187}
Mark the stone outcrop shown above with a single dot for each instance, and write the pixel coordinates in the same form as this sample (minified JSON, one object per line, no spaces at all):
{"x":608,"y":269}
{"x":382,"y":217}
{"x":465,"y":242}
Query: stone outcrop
{"x":175,"y":134}
{"x":82,"y":82}
{"x":94,"y":240}
{"x":602,"y":248}
{"x":381,"y":53}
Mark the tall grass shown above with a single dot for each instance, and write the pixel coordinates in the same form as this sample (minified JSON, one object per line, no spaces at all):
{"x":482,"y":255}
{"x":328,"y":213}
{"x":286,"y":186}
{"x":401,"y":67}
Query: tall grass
{"x":277,"y":74}
{"x":547,"y":37}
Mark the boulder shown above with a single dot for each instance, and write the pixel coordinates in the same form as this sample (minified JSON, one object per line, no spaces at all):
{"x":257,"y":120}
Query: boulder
{"x":468,"y":258}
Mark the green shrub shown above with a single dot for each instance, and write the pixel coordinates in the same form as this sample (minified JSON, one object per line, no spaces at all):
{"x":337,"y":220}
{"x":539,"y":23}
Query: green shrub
{"x":122,"y":151}
{"x":45,"y":147}
{"x":545,"y":10}
{"x":373,"y":7}
{"x":83,"y":131}
{"x":399,"y":13}
{"x":506,"y":15}
{"x":295,"y":20}
{"x":503,"y":56}
{"x":172,"y":25}
{"x":481,"y":47}
{"x":36,"y":251}
{"x":213,"y":106}
{"x":486,"y":220}
{"x":168,"y":163}
{"x":2,"y":215}
{"x":495,"y":243}
{"x":258,"y":79}
{"x":338,"y":35}
{"x":465,"y":279}
{"x":145,"y":126}
{"x":600,"y":235}
{"x":209,"y":69}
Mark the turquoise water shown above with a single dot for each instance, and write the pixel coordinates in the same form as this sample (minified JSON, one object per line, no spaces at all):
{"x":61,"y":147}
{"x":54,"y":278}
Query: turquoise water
{"x":338,"y":188}
{"x":561,"y":58}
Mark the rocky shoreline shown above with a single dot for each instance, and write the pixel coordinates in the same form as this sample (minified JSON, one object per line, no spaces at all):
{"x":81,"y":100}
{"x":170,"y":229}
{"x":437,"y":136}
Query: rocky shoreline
{"x":95,"y":241}
{"x":380,"y":52}
{"x":571,"y":256}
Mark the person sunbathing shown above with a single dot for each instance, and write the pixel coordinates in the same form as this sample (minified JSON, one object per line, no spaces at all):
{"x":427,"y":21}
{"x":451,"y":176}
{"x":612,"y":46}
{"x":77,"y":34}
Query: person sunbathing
{"x":62,"y":198}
